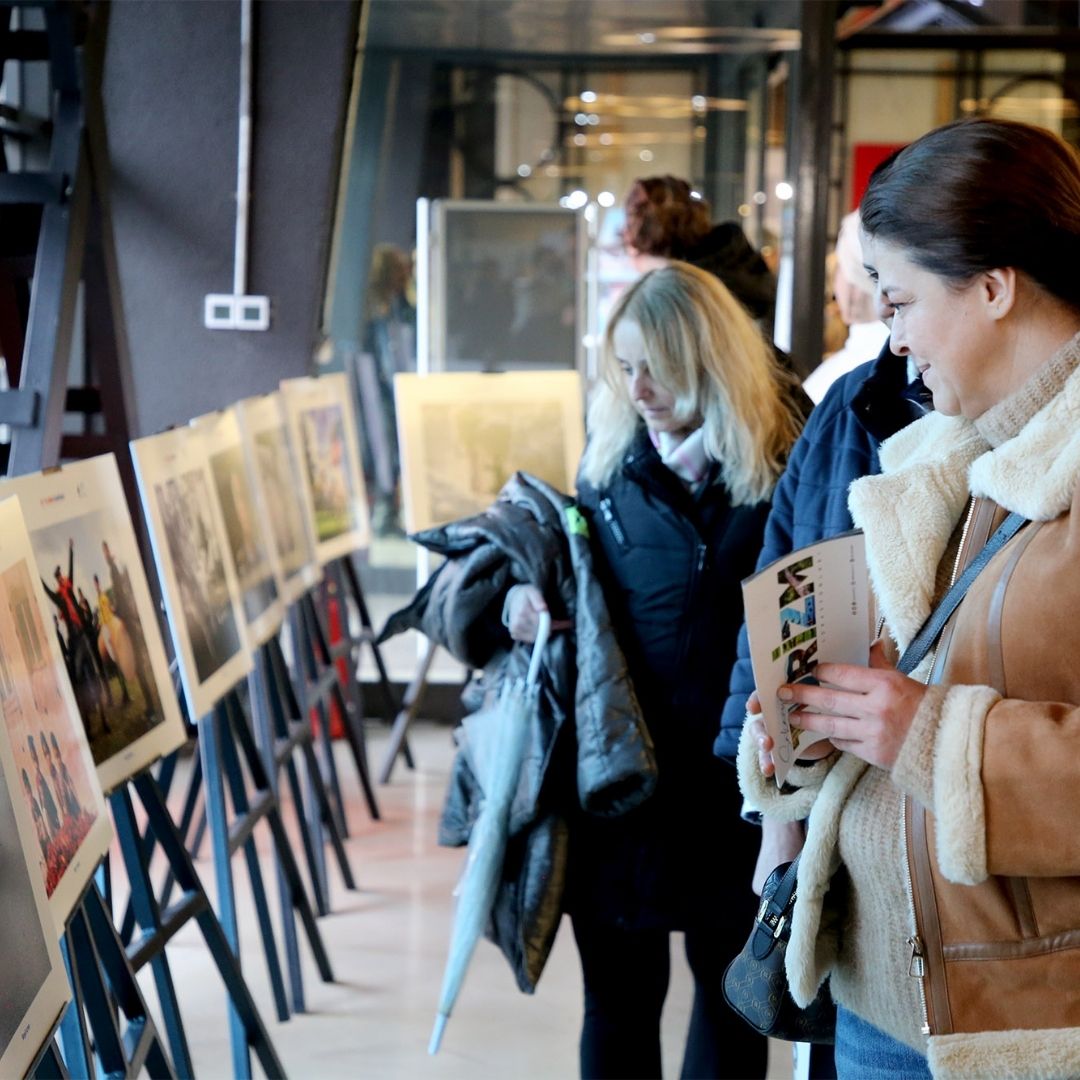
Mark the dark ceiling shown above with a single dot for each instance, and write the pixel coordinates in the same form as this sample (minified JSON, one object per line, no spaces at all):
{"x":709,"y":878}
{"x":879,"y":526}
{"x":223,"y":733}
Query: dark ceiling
{"x":600,"y":28}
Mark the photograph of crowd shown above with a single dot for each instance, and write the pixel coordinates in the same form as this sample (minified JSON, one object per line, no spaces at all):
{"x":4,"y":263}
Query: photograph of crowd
{"x":471,"y":450}
{"x":32,"y":991}
{"x":198,"y":568}
{"x":96,"y":620}
{"x":253,"y":571}
{"x":323,"y":427}
{"x":327,"y":463}
{"x":277,"y":479}
{"x":56,"y":783}
{"x":464,"y":434}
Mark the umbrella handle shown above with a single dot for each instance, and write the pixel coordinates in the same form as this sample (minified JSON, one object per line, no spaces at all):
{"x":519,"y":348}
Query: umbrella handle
{"x":543,"y":632}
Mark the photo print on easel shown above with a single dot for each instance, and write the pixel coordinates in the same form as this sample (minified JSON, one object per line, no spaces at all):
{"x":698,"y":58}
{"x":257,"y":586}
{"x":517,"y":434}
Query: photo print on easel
{"x":272,"y":457}
{"x":202,"y":597}
{"x":102,"y":614}
{"x":50,"y":754}
{"x":34,"y":989}
{"x":464,"y":434}
{"x":323,"y":426}
{"x":247,"y":541}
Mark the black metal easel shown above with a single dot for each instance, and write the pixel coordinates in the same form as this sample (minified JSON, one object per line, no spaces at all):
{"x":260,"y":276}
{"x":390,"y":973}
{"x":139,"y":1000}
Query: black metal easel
{"x":224,"y":739}
{"x":104,"y":987}
{"x":318,"y":683}
{"x":159,"y":924}
{"x":283,"y":730}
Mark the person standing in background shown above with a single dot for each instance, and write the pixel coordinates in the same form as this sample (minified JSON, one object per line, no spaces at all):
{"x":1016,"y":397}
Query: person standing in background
{"x":666,"y":219}
{"x":389,"y":347}
{"x":854,"y":292}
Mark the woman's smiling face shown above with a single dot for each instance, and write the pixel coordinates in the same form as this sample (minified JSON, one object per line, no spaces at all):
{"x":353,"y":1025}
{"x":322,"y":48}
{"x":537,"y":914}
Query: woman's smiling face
{"x":949,"y":330}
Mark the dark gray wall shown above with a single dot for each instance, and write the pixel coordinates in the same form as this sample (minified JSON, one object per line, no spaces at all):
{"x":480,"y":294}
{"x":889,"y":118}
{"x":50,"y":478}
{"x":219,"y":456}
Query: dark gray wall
{"x":171,"y":99}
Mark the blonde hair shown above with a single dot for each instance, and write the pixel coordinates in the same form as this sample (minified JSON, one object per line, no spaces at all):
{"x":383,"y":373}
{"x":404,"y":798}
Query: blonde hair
{"x":703,"y":347}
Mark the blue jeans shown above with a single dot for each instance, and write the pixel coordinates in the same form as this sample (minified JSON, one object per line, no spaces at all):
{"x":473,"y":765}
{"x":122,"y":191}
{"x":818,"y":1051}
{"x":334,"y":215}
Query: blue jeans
{"x":864,"y":1053}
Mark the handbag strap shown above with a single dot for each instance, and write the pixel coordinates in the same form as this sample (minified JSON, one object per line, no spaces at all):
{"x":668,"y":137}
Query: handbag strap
{"x":931,"y":629}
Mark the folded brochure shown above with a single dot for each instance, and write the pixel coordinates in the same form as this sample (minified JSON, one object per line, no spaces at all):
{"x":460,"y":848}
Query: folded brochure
{"x":808,"y":607}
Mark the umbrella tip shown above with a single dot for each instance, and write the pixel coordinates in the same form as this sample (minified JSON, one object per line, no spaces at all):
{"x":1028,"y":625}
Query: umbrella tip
{"x":437,"y":1033}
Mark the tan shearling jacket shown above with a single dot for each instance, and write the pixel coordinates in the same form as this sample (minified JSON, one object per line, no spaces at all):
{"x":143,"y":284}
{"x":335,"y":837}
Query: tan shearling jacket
{"x":992,"y":823}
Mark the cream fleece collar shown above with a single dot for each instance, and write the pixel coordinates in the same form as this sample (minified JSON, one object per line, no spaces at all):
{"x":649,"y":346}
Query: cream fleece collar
{"x":929,"y":469}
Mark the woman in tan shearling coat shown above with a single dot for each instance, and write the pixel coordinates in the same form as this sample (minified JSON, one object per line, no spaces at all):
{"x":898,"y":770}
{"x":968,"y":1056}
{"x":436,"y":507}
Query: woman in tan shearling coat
{"x":939,"y":889}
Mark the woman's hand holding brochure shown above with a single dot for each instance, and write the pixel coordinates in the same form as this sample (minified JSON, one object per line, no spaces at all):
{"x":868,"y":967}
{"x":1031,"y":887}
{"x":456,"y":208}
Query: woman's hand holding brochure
{"x":806,"y":614}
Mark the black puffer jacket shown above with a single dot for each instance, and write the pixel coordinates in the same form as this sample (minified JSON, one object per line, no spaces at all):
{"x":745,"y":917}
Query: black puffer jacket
{"x":601,"y":763}
{"x":671,"y":564}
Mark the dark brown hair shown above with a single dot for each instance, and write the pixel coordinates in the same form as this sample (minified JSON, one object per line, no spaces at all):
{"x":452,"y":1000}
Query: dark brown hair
{"x":663,"y":218}
{"x":981,"y":194}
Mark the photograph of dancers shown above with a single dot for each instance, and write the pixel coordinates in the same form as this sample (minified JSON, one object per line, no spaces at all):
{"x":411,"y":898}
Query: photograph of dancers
{"x":97,"y":623}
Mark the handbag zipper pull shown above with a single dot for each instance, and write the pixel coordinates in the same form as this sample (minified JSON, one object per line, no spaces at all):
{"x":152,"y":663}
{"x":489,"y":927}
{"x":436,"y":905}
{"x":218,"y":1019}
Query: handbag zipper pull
{"x":916,"y":965}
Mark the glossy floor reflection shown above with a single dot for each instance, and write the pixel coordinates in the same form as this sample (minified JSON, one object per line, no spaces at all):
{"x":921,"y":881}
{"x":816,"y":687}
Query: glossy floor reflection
{"x":387,"y":942}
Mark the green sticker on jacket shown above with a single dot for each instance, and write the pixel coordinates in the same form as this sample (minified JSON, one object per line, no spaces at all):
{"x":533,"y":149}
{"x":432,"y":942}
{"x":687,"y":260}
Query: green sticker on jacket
{"x":575,"y":519}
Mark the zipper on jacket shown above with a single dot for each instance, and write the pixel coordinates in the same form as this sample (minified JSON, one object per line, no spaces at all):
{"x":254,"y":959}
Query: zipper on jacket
{"x":917,"y":962}
{"x":694,"y":594}
{"x":612,"y":521}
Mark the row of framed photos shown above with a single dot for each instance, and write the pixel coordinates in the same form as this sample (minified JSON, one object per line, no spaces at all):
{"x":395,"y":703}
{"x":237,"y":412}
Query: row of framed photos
{"x":243,"y":507}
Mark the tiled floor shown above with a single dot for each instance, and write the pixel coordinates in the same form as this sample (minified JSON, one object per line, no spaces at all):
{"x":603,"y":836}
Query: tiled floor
{"x":387,"y":943}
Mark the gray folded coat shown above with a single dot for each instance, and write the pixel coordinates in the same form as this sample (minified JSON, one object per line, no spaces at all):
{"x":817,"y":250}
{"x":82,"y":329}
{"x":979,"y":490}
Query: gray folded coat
{"x":602,"y":761}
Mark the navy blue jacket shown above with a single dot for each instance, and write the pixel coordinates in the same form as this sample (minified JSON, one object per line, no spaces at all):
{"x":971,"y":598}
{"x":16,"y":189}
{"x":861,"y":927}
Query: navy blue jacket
{"x":838,"y":445}
{"x":671,"y":564}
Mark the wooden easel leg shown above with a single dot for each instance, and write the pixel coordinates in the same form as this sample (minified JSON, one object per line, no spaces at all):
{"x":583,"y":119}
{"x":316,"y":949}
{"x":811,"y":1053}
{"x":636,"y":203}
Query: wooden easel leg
{"x":312,"y":698}
{"x":50,"y":1065}
{"x":410,"y":706}
{"x":272,"y":732}
{"x":239,"y":834}
{"x":147,"y":913}
{"x":103,"y":985}
{"x":318,"y":802}
{"x":165,"y":779}
{"x":140,"y":1044}
{"x":347,"y":700}
{"x":245,"y":743}
{"x":223,"y":950}
{"x":369,"y":637}
{"x":210,"y":752}
{"x":73,"y":1030}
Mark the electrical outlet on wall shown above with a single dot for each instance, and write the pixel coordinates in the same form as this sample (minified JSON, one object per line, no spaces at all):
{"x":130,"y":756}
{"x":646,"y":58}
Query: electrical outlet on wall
{"x":224,"y":311}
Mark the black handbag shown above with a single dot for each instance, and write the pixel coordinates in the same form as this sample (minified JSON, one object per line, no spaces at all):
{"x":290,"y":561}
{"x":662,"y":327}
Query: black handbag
{"x":755,"y":983}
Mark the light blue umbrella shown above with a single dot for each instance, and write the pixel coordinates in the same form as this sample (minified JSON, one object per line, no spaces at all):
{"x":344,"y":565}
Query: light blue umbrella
{"x":496,"y":741}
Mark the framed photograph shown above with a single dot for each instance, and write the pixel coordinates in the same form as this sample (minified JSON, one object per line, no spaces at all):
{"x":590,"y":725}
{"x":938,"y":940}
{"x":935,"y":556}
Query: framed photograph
{"x":283,"y":512}
{"x":50,"y":755}
{"x":202,"y":595}
{"x":506,"y":284}
{"x":323,"y":426}
{"x":463,"y":435}
{"x":102,"y":614}
{"x":34,"y":989}
{"x":247,"y":543}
